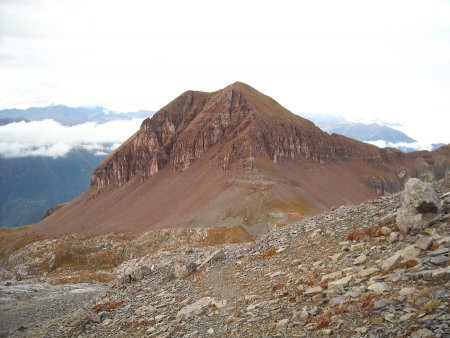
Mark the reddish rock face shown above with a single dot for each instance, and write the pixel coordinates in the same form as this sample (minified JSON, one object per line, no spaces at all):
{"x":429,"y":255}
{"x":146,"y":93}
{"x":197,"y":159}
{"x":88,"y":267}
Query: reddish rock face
{"x":241,"y":124}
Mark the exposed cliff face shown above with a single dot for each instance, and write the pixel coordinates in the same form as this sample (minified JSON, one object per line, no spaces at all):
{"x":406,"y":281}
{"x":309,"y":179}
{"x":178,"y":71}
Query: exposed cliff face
{"x":246,"y":123}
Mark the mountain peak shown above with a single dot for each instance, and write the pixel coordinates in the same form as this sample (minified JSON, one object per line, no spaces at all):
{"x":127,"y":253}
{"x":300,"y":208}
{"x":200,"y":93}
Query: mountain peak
{"x":233,"y":126}
{"x":233,"y":156}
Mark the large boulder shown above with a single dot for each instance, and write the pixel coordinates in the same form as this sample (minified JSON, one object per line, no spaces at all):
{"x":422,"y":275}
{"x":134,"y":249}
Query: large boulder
{"x":420,"y":206}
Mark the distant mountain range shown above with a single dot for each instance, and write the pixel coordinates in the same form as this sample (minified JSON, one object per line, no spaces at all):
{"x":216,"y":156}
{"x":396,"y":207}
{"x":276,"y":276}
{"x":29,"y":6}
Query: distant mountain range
{"x":31,"y":185}
{"x":68,"y":116}
{"x":359,"y":131}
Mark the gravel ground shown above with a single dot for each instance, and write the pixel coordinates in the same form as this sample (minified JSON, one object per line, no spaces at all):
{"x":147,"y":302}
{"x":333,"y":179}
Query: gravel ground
{"x":25,"y":305}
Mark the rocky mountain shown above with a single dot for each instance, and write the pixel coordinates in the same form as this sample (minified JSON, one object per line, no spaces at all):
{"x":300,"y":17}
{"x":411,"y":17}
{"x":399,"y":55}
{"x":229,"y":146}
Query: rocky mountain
{"x":356,"y":271}
{"x":31,"y":185}
{"x":67,"y":115}
{"x":360,"y":131}
{"x":233,"y":157}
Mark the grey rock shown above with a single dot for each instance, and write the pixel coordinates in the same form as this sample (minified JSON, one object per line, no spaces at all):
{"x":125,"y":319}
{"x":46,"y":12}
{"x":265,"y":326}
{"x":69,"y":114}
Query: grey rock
{"x":394,"y":237}
{"x":420,"y":204}
{"x":282,"y":325}
{"x":422,"y":333}
{"x":361,"y":259}
{"x":191,"y":267}
{"x":367,"y":272}
{"x":335,"y":301}
{"x":378,"y":288}
{"x":408,"y":253}
{"x":52,"y":263}
{"x":195,"y":308}
{"x":389,"y":218}
{"x":340,"y":282}
{"x":379,"y":304}
{"x":423,"y":243}
{"x":407,"y":291}
{"x":390,"y":261}
{"x":438,"y":252}
{"x":313,"y":291}
{"x":439,"y":260}
{"x":421,"y":301}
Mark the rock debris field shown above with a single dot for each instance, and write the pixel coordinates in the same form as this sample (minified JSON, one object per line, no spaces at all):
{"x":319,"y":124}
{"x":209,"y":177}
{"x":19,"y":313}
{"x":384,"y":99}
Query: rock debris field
{"x":357,"y":271}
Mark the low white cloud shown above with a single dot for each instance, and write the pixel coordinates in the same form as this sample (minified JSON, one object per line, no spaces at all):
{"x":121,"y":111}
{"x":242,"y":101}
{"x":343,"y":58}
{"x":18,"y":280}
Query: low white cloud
{"x":50,"y":138}
{"x":402,"y":145}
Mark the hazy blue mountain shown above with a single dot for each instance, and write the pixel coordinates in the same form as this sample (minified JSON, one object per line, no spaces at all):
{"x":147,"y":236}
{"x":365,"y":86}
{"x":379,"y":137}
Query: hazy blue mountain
{"x":31,"y":185}
{"x":7,"y":120}
{"x":70,"y":115}
{"x":359,"y":131}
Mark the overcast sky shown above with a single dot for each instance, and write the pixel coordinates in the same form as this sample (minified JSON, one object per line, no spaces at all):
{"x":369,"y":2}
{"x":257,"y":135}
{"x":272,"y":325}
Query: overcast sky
{"x":365,"y":60}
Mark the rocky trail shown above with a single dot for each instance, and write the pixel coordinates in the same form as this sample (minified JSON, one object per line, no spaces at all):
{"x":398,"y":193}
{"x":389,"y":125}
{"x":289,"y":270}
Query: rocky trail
{"x":363,"y":270}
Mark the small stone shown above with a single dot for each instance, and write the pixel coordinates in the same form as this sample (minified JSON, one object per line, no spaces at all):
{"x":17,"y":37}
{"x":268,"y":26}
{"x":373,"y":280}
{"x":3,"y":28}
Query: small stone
{"x":275,"y":274}
{"x":379,"y":288}
{"x":195,"y":308}
{"x":357,"y":247}
{"x":389,"y":218}
{"x":444,"y":241}
{"x":326,"y":332}
{"x":360,"y":259}
{"x":421,"y":301}
{"x":379,"y":304}
{"x":336,"y":301}
{"x":158,"y":318}
{"x":210,"y":331}
{"x":151,"y":329}
{"x":438,"y":252}
{"x":282,"y":325}
{"x":407,"y":291}
{"x":280,"y":249}
{"x":340,"y":282}
{"x":302,"y":315}
{"x":407,"y":316}
{"x":331,"y":276}
{"x":386,"y":230}
{"x":361,"y":330}
{"x":317,"y":263}
{"x":221,"y":304}
{"x":367,"y":272}
{"x":191,"y":267}
{"x":251,"y":298}
{"x":376,"y":320}
{"x":391,"y":261}
{"x":313,"y":291}
{"x":409,"y":252}
{"x":441,"y":273}
{"x":335,"y":258}
{"x":422,"y":333}
{"x":423,"y":243}
{"x":439,"y":260}
{"x":394,"y":237}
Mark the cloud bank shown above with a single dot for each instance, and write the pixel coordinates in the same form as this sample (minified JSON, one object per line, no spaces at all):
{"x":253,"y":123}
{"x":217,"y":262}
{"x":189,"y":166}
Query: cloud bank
{"x":402,"y":145}
{"x":50,"y":138}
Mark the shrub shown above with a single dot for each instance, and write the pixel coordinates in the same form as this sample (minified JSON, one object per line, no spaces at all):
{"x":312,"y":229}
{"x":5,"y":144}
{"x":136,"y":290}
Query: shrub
{"x":367,"y":300}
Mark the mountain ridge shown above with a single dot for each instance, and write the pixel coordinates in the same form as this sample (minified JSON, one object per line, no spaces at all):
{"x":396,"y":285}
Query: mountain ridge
{"x":233,"y":157}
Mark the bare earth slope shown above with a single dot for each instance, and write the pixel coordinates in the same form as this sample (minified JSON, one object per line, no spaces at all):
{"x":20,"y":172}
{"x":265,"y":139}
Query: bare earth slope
{"x":233,"y":157}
